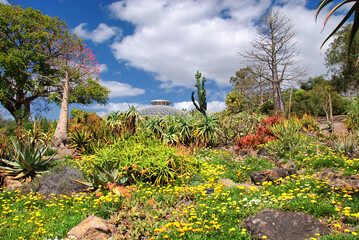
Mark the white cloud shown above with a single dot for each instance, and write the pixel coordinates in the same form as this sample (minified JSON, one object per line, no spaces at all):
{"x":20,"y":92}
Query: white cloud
{"x":173,"y":39}
{"x":213,"y":106}
{"x":112,"y":107}
{"x":99,"y":35}
{"x":309,"y":35}
{"x":103,"y":68}
{"x":121,"y":89}
{"x":187,"y":105}
{"x":4,"y":2}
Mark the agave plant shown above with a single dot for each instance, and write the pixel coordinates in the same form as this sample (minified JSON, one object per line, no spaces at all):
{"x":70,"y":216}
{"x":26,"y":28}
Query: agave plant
{"x":114,"y":120}
{"x":26,"y":161}
{"x":102,"y":176}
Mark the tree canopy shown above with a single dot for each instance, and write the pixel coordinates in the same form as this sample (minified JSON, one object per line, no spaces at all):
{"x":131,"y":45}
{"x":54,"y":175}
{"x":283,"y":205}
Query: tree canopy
{"x":343,"y":66}
{"x":30,"y":44}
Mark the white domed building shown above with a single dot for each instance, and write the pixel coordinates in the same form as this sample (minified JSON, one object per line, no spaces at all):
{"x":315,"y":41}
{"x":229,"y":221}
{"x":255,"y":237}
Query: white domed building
{"x":159,"y":108}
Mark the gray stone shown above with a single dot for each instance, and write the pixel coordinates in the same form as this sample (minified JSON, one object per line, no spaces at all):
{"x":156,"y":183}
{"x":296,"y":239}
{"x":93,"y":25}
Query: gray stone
{"x":281,"y":225}
{"x":271,"y":175}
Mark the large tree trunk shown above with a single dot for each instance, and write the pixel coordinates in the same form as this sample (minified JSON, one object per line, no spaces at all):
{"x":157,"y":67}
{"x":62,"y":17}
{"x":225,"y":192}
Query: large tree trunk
{"x":61,"y":133}
{"x":277,"y":98}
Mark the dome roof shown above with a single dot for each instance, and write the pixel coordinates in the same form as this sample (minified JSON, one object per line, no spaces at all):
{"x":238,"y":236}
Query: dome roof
{"x":159,"y":108}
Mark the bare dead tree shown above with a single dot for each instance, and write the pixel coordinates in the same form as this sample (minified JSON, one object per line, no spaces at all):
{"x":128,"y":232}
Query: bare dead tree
{"x":274,"y":48}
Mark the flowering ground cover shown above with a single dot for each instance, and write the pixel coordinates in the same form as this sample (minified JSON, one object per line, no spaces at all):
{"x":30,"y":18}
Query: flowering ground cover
{"x":184,"y":208}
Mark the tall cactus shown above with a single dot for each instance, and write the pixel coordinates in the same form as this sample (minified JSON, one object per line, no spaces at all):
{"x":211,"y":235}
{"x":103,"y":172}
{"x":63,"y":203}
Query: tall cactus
{"x":201,"y":92}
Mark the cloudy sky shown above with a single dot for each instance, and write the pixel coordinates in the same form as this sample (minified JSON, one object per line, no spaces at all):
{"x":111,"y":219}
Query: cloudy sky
{"x":151,"y":49}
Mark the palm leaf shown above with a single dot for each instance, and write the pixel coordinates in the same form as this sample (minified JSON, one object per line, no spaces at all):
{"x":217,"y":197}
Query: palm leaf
{"x":353,"y":10}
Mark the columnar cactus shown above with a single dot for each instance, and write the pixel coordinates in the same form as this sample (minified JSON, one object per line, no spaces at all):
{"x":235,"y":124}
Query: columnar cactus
{"x":201,"y":92}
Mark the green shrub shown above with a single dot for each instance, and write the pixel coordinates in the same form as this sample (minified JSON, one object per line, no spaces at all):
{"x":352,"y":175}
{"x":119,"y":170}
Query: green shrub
{"x":345,"y":144}
{"x":288,"y":139}
{"x":139,"y":158}
{"x":352,"y":120}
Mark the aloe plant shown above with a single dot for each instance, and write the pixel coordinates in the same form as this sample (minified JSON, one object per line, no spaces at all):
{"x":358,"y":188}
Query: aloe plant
{"x":26,"y":161}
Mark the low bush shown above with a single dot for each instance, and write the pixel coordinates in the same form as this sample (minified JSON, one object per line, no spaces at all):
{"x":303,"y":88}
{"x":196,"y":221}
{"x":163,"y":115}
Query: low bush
{"x":262,"y":135}
{"x":140,"y":158}
{"x":288,"y":141}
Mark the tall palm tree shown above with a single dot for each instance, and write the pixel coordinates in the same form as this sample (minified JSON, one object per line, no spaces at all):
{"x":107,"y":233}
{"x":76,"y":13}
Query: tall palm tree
{"x":353,"y":10}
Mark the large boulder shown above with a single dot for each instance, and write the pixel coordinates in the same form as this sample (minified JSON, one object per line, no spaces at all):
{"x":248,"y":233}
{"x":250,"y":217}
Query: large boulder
{"x":271,"y":175}
{"x":281,"y":225}
{"x":94,"y":228}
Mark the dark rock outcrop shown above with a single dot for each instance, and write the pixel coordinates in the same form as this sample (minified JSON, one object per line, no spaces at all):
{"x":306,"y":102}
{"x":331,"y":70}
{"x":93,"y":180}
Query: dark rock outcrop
{"x":271,"y":175}
{"x":337,"y":180}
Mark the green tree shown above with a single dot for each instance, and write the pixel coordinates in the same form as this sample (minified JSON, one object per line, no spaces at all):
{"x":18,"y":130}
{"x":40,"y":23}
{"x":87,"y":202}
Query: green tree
{"x":249,"y":87}
{"x":313,"y":98}
{"x":343,"y":66}
{"x":34,"y":51}
{"x":26,"y":38}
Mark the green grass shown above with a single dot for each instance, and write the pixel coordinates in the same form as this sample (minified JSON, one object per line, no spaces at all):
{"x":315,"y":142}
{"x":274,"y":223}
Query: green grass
{"x":182,"y":209}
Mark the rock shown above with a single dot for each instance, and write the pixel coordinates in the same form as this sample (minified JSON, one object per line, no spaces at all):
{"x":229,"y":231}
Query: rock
{"x":94,"y":228}
{"x":263,"y":152}
{"x":281,"y":225}
{"x":12,"y":184}
{"x":271,"y":175}
{"x":227,"y":182}
{"x":230,"y":183}
{"x":63,"y":151}
{"x":339,"y":128}
{"x":336,"y":180}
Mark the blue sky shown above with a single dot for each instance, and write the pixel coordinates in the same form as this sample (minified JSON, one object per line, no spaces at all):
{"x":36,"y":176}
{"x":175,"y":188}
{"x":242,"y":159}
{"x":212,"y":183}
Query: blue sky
{"x":151,"y":49}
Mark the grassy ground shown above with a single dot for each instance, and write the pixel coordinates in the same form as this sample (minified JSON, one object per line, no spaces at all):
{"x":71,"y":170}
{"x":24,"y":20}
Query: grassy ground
{"x":183,"y":209}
